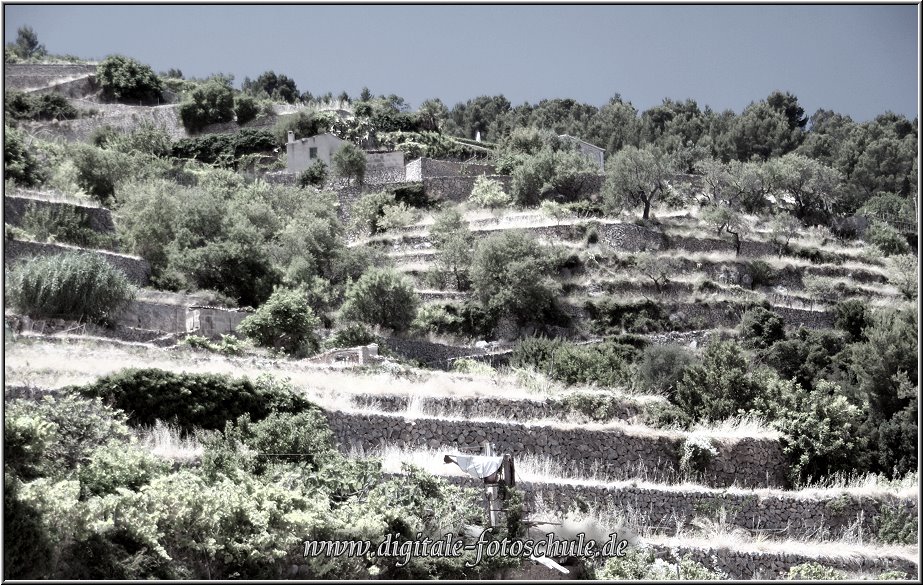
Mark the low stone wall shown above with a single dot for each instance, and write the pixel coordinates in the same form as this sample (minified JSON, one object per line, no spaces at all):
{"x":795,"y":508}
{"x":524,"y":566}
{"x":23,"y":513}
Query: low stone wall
{"x":798,"y":516}
{"x":137,"y":269}
{"x":747,"y":247}
{"x":119,"y":116}
{"x":746,"y":462}
{"x":428,"y":353}
{"x":742,"y":564}
{"x":457,"y":189}
{"x":427,"y":168}
{"x":96,"y":218}
{"x":629,"y":237}
{"x":726,"y":314}
{"x":21,"y":76}
{"x":483,"y":406}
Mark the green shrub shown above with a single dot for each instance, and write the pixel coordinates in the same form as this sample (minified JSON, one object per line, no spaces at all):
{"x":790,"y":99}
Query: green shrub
{"x":350,"y":335}
{"x":26,"y":437}
{"x":510,"y":276}
{"x":245,"y":109}
{"x":696,"y":455}
{"x":80,"y":286}
{"x":49,"y":437}
{"x":19,"y":164}
{"x":852,"y":317}
{"x":224,"y":149}
{"x":904,"y":267}
{"x":603,"y":364}
{"x":368,"y":212}
{"x":887,"y":239}
{"x":894,"y":575}
{"x":49,"y":106}
{"x":315,"y":175}
{"x":813,"y":572}
{"x":661,"y":367}
{"x":117,"y":465}
{"x":613,"y":316}
{"x":489,"y":193}
{"x":762,"y":274}
{"x":594,"y":406}
{"x":285,"y":322}
{"x":100,"y":171}
{"x":719,"y":386}
{"x":210,"y":103}
{"x":381,"y":297}
{"x":896,"y":526}
{"x":126,"y":80}
{"x":192,"y":400}
{"x":640,"y":564}
{"x":27,"y":544}
{"x":760,"y":328}
{"x":435,"y":318}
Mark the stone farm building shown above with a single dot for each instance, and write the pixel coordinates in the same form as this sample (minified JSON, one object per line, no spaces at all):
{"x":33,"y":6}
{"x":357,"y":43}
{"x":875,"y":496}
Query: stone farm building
{"x":591,"y":152}
{"x":301,"y":153}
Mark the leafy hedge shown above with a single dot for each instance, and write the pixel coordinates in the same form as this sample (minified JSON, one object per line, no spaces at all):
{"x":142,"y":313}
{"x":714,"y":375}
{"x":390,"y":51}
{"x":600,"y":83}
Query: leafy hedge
{"x":24,"y":106}
{"x":192,"y":400}
{"x":224,"y":148}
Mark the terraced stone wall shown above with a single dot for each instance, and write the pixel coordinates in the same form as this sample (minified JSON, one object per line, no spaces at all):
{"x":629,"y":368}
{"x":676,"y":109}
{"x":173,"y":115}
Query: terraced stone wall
{"x":15,"y":208}
{"x":431,"y":354}
{"x":457,"y":189}
{"x":746,"y":462}
{"x":20,"y":76}
{"x":798,"y":516}
{"x":426,"y":168}
{"x":482,"y":407}
{"x":137,"y":269}
{"x":739,"y":564}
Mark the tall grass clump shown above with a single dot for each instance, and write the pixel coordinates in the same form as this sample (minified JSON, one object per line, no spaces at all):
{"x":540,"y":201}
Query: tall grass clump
{"x":72,"y":286}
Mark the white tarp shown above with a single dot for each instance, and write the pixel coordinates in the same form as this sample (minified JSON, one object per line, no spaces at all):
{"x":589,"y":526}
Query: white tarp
{"x":477,"y":466}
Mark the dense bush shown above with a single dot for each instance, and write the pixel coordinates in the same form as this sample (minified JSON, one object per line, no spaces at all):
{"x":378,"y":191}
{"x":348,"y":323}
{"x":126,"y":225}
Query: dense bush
{"x":350,"y":335}
{"x":116,"y":465}
{"x":509,"y":276}
{"x":660,"y":368}
{"x":602,"y":364}
{"x":19,"y":164}
{"x":49,"y":437}
{"x":369,"y":211}
{"x":224,"y":149}
{"x":760,"y":328}
{"x":210,"y":103}
{"x":489,"y":193}
{"x":613,"y":316}
{"x":808,"y":356}
{"x":381,"y":297}
{"x":192,"y":400}
{"x":48,"y":106}
{"x":852,"y":317}
{"x":719,"y":386}
{"x":285,"y":322}
{"x":245,"y":109}
{"x":887,"y":239}
{"x":126,"y":80}
{"x":315,"y":175}
{"x":99,"y":171}
{"x":80,"y":286}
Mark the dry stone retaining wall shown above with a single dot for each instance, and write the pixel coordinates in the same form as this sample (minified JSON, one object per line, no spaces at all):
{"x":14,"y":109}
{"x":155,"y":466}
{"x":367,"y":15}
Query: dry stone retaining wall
{"x":481,"y":407}
{"x":427,"y":168}
{"x":137,"y":269}
{"x":21,"y":76}
{"x":457,"y":189}
{"x":742,"y":564}
{"x":797,"y":516}
{"x":15,"y":208}
{"x":747,"y":462}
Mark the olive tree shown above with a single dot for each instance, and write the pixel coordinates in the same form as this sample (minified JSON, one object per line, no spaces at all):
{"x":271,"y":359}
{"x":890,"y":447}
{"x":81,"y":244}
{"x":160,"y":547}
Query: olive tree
{"x":636,"y":177}
{"x":349,"y":162}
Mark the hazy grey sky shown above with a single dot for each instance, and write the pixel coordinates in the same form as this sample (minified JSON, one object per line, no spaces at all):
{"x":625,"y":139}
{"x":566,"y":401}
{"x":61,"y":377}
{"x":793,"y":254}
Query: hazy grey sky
{"x":856,"y":60}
